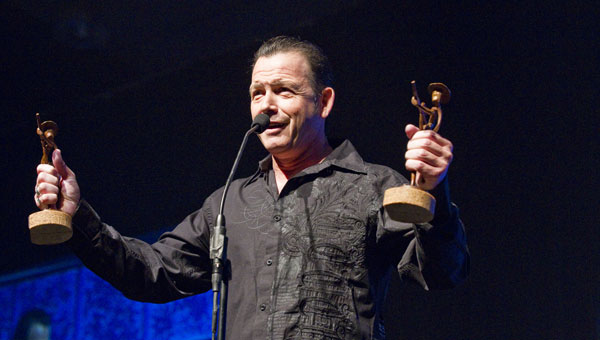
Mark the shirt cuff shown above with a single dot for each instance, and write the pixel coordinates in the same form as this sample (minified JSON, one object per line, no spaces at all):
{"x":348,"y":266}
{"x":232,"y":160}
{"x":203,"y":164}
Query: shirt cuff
{"x":86,"y":222}
{"x":445,"y":224}
{"x":443,"y":207}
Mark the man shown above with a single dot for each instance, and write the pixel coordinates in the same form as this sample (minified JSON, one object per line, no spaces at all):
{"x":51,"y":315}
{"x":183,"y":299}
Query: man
{"x":33,"y":325}
{"x":310,"y":247}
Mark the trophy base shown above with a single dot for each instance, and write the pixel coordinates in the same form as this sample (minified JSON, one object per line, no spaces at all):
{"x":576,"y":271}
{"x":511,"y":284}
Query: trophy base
{"x":50,"y":226}
{"x":409,"y":204}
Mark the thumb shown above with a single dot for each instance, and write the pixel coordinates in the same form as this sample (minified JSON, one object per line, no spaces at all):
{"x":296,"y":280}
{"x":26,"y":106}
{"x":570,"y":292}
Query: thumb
{"x":60,"y":165}
{"x":410,"y":130}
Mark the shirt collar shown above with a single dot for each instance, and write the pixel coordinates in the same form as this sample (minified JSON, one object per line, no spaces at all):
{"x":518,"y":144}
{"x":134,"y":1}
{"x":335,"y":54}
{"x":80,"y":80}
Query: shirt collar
{"x":345,"y":156}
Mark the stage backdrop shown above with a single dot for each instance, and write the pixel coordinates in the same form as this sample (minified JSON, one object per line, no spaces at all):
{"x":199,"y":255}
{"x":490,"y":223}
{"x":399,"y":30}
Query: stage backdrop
{"x":82,"y":306}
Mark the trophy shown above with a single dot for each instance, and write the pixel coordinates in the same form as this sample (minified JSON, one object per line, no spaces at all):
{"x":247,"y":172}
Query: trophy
{"x":49,"y":226}
{"x":408,"y":203}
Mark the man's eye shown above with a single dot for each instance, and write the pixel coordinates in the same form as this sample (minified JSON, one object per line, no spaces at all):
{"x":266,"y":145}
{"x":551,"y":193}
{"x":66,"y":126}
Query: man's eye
{"x":285,"y":90}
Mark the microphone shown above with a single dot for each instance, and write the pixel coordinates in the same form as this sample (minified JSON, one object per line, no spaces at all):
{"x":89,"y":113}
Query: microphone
{"x":218,"y":240}
{"x":261,"y":123}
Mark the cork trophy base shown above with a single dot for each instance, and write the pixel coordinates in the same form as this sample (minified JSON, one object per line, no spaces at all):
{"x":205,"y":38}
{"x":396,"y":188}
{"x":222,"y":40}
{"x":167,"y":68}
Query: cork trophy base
{"x":50,"y":226}
{"x":409,"y":204}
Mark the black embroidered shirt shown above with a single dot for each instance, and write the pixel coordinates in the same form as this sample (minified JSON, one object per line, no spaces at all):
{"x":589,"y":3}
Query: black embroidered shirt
{"x":311,"y":262}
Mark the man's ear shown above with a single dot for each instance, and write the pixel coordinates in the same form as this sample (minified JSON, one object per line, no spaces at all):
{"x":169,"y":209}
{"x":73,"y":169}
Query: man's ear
{"x":326,"y":101}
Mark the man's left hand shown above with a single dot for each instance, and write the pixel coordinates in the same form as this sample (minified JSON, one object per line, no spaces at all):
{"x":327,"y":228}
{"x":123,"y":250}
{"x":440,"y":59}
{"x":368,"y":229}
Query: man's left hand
{"x":429,"y":155}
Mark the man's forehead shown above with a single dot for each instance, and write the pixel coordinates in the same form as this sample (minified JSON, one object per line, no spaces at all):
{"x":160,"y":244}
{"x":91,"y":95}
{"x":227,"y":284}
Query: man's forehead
{"x":272,"y":82}
{"x":283,"y":61}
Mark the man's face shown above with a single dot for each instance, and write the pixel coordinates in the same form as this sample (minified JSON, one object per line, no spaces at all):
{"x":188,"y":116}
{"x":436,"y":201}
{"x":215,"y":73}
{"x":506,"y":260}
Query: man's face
{"x":281,"y":89}
{"x":38,"y":331}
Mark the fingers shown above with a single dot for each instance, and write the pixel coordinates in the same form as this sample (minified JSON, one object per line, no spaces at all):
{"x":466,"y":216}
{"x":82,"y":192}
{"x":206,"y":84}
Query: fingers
{"x":45,"y":200}
{"x":47,"y":180}
{"x":46,"y":195}
{"x":425,"y":170}
{"x":429,"y":155}
{"x":37,"y":199}
{"x":428,"y":146}
{"x":47,"y":168}
{"x":46,"y":186}
{"x":429,"y":151}
{"x":46,"y":176}
{"x":427,"y":138}
{"x":38,"y":202}
{"x":56,"y":186}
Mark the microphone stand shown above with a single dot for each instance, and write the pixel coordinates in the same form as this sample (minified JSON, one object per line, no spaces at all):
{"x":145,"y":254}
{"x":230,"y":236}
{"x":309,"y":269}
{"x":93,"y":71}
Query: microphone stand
{"x":218,"y":242}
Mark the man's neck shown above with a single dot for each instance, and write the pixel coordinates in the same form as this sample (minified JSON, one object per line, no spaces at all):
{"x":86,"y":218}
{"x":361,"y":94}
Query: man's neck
{"x":285,"y":168}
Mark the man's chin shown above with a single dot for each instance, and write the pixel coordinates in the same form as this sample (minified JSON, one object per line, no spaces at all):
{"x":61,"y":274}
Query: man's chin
{"x":273,"y":144}
{"x":276,"y":148}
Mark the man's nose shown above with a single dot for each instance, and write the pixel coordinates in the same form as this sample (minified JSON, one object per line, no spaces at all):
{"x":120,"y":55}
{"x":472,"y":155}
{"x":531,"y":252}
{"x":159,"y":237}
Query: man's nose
{"x":269,"y":105}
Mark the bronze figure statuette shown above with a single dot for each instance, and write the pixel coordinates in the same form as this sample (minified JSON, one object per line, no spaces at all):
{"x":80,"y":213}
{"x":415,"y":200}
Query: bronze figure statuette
{"x":49,"y":226}
{"x":408,"y":203}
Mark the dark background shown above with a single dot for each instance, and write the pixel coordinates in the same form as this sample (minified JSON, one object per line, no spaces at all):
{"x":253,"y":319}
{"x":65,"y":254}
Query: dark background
{"x":152,"y":101}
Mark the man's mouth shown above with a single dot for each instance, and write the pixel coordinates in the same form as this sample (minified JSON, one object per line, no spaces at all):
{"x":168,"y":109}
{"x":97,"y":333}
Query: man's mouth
{"x":276,"y":125}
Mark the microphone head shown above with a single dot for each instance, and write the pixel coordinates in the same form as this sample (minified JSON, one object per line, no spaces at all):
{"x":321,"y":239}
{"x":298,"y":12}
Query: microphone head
{"x":261,"y":122}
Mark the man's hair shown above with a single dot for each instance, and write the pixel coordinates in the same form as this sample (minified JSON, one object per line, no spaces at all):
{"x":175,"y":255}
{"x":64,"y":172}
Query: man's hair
{"x":321,"y":74}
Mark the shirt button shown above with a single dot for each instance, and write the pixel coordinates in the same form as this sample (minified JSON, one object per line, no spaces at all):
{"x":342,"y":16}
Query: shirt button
{"x":269,"y":262}
{"x":277,"y":218}
{"x":263,"y":307}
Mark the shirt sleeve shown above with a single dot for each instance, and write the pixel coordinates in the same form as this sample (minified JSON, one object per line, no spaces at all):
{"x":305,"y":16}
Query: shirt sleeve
{"x":434,"y":254}
{"x":176,"y":266}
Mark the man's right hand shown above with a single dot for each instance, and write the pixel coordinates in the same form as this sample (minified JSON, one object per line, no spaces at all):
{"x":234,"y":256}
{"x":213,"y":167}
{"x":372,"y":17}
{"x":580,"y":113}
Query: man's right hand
{"x":52,"y":180}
